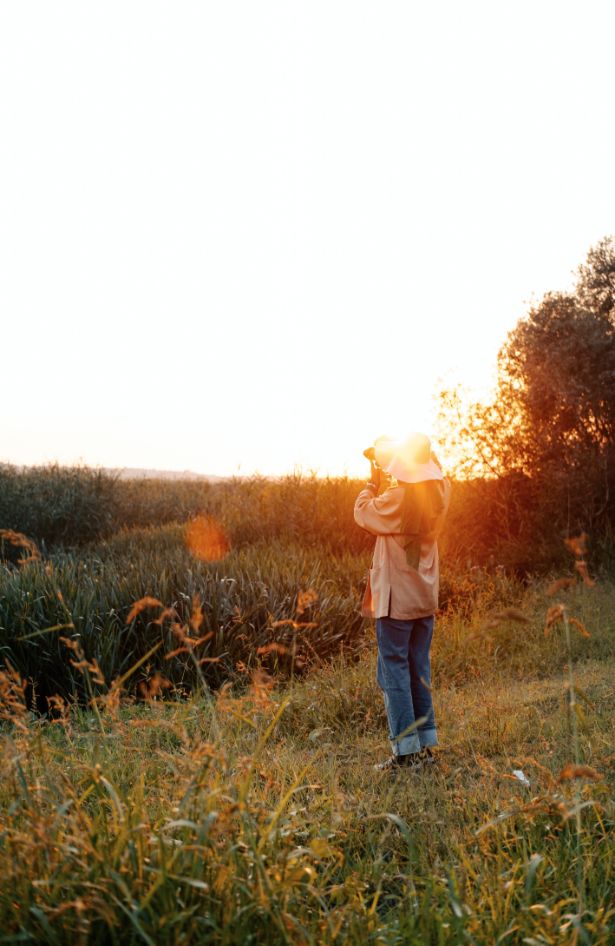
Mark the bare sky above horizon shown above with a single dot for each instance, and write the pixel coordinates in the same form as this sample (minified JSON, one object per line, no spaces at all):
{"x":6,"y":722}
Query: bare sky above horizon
{"x":241,"y":236}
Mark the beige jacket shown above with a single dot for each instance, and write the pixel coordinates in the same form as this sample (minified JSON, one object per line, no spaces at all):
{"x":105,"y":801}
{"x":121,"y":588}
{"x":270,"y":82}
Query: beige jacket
{"x":406,"y":520}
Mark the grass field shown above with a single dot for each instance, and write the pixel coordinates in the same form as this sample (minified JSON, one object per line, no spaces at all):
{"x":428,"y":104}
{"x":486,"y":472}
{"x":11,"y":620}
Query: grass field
{"x":252,"y":814}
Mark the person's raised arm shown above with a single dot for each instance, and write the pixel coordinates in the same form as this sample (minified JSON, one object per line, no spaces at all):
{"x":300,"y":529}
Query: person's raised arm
{"x":379,"y":515}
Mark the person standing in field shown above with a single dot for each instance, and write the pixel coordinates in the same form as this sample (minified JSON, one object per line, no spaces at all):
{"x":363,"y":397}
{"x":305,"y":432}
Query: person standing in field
{"x":402,"y":588}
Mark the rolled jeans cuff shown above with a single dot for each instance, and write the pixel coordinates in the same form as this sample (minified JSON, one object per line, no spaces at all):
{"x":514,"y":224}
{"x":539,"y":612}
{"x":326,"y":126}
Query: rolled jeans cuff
{"x":406,"y":745}
{"x":414,"y":742}
{"x":428,"y":737}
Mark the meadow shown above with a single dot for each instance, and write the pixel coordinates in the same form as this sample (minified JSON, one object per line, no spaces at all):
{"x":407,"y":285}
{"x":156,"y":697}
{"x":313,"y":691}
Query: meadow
{"x":190,"y":721}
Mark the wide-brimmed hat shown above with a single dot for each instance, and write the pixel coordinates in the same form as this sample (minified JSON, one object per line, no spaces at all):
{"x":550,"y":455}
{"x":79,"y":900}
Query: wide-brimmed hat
{"x":409,"y":460}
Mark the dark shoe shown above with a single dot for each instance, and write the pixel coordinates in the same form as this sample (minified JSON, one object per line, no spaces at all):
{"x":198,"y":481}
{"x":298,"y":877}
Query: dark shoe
{"x":395,"y":762}
{"x":428,"y":756}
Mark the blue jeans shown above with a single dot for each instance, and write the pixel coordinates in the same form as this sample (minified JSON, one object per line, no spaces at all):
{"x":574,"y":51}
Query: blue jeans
{"x":404,"y":676}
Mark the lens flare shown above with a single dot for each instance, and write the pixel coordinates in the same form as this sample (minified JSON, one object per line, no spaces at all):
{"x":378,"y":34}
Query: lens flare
{"x":207,"y":540}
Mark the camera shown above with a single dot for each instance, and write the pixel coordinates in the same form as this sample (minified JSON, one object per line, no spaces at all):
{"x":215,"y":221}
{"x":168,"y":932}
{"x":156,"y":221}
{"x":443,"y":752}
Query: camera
{"x":370,"y":454}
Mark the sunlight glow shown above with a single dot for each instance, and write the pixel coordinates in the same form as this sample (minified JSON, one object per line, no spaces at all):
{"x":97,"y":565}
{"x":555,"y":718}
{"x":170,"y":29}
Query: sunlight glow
{"x":253,"y":237}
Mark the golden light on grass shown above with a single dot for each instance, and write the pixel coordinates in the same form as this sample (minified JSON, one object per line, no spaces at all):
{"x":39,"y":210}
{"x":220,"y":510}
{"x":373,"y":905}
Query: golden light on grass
{"x":206,"y":539}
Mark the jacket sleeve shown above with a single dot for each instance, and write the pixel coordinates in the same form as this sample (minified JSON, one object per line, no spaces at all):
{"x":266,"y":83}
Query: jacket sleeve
{"x":379,"y":515}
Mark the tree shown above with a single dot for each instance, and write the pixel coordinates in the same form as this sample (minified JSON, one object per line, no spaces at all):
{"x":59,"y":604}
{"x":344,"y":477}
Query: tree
{"x":596,"y":284}
{"x":552,"y":419}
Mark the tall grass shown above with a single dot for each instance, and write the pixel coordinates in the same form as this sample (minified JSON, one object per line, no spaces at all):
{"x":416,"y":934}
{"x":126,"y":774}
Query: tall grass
{"x":243,"y":807}
{"x":257,"y":818}
{"x":56,"y":505}
{"x":73,"y":505}
{"x":243,"y":598}
{"x":490,"y":522}
{"x":280,"y":606}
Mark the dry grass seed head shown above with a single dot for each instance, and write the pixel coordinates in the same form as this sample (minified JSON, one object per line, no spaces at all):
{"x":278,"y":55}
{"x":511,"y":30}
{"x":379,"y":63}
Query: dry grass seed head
{"x":577,"y":544}
{"x":579,"y":626}
{"x":561,"y":584}
{"x":581,"y":567}
{"x":154,"y":687}
{"x":146,"y":602}
{"x":92,"y":667}
{"x":197,"y":616}
{"x":13,"y":706}
{"x":555,"y":613}
{"x":571,"y":771}
{"x":506,"y":614}
{"x":273,"y":648}
{"x":305,"y":599}
{"x":19,"y":540}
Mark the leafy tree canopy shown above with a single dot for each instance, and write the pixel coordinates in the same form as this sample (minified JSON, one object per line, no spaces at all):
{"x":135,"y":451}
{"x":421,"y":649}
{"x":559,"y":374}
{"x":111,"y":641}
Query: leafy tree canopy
{"x":553,"y":415}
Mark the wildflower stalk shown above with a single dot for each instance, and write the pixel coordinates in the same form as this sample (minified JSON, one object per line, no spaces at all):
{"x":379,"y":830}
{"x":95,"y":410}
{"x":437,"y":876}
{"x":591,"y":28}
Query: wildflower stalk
{"x":86,"y":668}
{"x":93,"y":701}
{"x":574,"y":731}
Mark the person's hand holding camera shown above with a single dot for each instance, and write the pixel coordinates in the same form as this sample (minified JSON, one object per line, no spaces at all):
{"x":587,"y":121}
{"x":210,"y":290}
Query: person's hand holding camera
{"x":375,"y":476}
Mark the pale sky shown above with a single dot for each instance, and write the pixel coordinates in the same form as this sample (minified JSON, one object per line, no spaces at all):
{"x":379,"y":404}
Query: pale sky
{"x":253,"y":236}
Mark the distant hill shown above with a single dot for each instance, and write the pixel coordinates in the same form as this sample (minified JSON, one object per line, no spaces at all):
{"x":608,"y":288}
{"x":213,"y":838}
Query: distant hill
{"x":139,"y":473}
